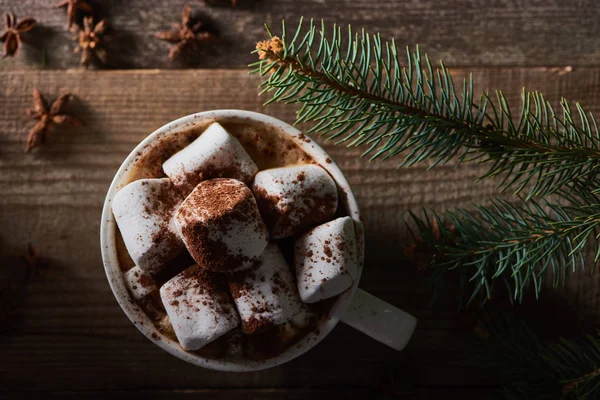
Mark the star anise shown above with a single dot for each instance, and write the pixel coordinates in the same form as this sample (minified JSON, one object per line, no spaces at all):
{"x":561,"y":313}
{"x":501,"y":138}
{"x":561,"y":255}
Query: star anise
{"x":47,"y":117}
{"x":72,"y":7}
{"x":34,"y":262}
{"x":90,"y":41}
{"x":11,"y":36}
{"x":185,"y":35}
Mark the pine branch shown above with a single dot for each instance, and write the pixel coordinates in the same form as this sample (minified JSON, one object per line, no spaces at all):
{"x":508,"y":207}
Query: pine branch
{"x":535,"y":369}
{"x":357,"y":90}
{"x":516,"y":245}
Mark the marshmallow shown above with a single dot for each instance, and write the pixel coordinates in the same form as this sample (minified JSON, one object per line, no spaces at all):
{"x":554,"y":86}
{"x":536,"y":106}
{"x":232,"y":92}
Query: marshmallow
{"x":293,"y":199}
{"x":139,"y":283}
{"x":199,"y":307}
{"x":220,"y":225}
{"x":265,"y":295}
{"x":215,"y":154}
{"x":143,"y":210}
{"x":326,"y":260}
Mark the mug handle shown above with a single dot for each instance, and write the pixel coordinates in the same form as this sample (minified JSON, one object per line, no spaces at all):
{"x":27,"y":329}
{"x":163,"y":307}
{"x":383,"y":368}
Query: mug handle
{"x":379,"y":320}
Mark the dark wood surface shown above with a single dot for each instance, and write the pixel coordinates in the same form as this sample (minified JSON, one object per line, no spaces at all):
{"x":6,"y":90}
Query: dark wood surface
{"x":67,"y":335}
{"x":462,"y":32}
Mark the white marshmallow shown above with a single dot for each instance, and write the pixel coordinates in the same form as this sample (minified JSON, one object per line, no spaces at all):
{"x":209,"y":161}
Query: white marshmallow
{"x":295,"y":198}
{"x":215,"y":154}
{"x":143,"y":210}
{"x":265,"y":295}
{"x":220,"y":225}
{"x":199,"y":307}
{"x":326,"y":260}
{"x":139,"y":283}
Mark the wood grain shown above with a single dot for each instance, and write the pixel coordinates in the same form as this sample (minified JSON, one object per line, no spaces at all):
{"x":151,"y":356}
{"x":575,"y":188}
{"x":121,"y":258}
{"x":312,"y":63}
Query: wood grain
{"x":346,"y":393}
{"x":462,"y":32}
{"x":68,"y":321}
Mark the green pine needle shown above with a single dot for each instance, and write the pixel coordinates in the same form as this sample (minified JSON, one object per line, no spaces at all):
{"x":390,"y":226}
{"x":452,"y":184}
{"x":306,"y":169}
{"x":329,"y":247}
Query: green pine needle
{"x":516,"y":245}
{"x":360,"y":90}
{"x":538,"y":370}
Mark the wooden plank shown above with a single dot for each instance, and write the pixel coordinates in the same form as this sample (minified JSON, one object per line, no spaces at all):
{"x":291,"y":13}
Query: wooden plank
{"x":77,"y":362}
{"x":462,"y":32}
{"x":69,"y":322}
{"x":346,"y":393}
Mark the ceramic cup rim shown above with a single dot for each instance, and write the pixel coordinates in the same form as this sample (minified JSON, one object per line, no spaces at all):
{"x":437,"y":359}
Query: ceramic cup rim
{"x":137,"y":315}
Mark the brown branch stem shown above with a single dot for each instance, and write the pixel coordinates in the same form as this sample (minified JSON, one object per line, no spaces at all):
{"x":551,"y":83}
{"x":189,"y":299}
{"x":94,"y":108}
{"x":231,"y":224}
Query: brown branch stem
{"x":482,"y":133}
{"x":574,"y":383}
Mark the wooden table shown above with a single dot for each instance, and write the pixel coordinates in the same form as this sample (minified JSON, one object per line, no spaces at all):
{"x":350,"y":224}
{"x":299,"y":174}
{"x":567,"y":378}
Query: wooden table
{"x":69,"y":337}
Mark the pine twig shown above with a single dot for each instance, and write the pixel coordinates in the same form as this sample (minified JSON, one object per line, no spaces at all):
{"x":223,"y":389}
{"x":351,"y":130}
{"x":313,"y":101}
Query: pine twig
{"x":518,"y":245}
{"x":536,"y":369}
{"x":359,"y":91}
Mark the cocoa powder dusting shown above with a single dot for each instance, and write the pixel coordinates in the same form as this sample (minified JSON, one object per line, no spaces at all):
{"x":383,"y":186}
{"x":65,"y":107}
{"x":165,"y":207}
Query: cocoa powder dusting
{"x":269,"y":149}
{"x":254,"y":325}
{"x":227,"y":203}
{"x":293,"y":219}
{"x":240,"y":284}
{"x":201,"y":282}
{"x":267,"y":204}
{"x":145,"y":281}
{"x":213,"y":171}
{"x":237,"y":285}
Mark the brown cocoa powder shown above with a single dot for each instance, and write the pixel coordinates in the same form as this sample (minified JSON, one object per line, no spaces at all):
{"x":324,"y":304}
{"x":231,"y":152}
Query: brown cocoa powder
{"x":269,"y":149}
{"x":203,"y":282}
{"x":292,"y":219}
{"x":327,"y":251}
{"x":256,"y":324}
{"x":224,"y":202}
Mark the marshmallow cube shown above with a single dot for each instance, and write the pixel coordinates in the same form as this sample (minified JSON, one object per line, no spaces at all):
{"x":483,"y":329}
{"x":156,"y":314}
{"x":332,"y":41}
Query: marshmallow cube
{"x":199,"y":307}
{"x":143,"y":210}
{"x":220,"y":225}
{"x":326,"y":260}
{"x":265,"y":295}
{"x":295,"y":198}
{"x":215,"y":154}
{"x":139,"y":283}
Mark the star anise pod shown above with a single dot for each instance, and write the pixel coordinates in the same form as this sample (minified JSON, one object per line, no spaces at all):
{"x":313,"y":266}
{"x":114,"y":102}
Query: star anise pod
{"x":185,"y":35}
{"x":11,"y":36}
{"x":47,"y":117}
{"x":90,"y":41}
{"x":72,"y":7}
{"x":34,"y":262}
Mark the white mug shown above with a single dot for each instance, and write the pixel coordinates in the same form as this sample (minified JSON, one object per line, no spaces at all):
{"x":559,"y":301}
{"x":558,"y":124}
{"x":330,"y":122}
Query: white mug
{"x":354,"y":307}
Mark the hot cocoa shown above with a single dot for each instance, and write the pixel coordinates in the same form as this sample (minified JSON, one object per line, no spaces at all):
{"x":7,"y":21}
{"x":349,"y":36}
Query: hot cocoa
{"x":222,"y":227}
